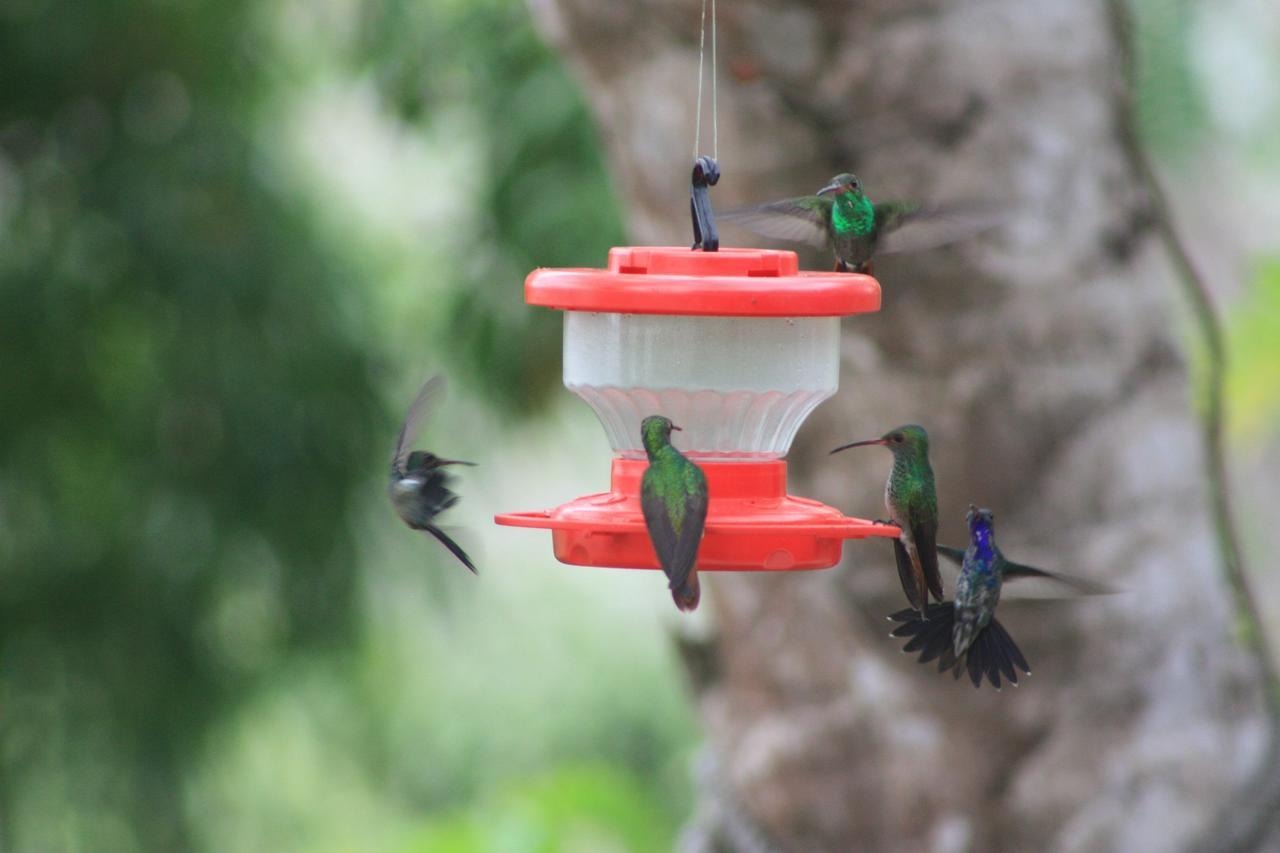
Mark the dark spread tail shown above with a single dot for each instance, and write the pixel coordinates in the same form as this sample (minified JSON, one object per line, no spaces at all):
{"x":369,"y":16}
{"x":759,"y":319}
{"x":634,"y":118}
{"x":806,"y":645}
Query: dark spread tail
{"x":451,"y":545}
{"x":993,"y":652}
{"x":688,"y":594}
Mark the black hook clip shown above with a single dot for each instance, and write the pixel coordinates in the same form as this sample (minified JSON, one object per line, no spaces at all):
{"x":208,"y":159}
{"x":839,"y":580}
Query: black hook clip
{"x":706,"y":172}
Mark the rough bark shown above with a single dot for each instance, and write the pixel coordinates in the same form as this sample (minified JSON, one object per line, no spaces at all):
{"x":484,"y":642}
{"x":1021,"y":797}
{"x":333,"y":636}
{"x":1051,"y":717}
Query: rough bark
{"x":1044,"y":360}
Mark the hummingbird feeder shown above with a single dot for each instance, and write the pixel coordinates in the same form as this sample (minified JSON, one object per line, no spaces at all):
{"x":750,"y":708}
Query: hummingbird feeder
{"x":736,"y":347}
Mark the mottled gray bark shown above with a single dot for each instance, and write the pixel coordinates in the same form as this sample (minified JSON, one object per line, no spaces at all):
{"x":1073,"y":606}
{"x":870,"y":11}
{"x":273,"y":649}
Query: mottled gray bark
{"x":1044,"y":360}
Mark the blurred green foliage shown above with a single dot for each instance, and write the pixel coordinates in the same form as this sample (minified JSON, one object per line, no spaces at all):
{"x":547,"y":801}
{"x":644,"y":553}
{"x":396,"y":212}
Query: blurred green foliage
{"x":575,"y":808}
{"x":211,"y":632}
{"x":183,"y":414}
{"x":540,"y":181}
{"x":189,"y":370}
{"x":1253,"y":330}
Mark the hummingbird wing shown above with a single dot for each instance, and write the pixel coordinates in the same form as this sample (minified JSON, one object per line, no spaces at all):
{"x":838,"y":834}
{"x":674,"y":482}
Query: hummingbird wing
{"x":675,"y":523}
{"x":1032,"y":583}
{"x":906,"y":226}
{"x":911,"y":576}
{"x":925,"y":534}
{"x":806,"y":219}
{"x":450,"y":544}
{"x":431,"y":389}
{"x":1042,"y":583}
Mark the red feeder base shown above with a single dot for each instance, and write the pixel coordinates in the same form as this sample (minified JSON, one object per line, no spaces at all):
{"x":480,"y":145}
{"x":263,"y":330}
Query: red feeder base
{"x":752,"y":523}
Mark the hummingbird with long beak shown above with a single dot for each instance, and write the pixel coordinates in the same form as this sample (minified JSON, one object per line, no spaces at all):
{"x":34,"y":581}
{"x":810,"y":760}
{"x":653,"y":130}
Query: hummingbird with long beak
{"x":912,"y":501}
{"x":964,"y":634}
{"x":419,"y":486}
{"x":673,"y":498}
{"x":840,"y":216}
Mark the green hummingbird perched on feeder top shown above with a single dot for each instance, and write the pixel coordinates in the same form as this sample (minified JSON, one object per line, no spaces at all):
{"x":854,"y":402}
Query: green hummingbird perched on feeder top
{"x":840,"y":216}
{"x":965,"y":634}
{"x":912,"y":501}
{"x":418,"y":487}
{"x":673,"y":498}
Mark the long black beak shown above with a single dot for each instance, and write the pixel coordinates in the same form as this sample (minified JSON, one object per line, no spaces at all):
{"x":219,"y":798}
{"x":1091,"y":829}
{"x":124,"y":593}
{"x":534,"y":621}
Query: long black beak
{"x":453,"y":462}
{"x":866,"y":443}
{"x":829,"y":188}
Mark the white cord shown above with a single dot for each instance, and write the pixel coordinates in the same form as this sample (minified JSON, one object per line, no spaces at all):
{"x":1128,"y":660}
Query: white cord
{"x":715,"y":113}
{"x":702,"y":40}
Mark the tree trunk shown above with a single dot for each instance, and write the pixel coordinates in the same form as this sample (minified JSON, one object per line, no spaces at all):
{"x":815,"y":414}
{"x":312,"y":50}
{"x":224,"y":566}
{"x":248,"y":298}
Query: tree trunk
{"x":1043,"y":359}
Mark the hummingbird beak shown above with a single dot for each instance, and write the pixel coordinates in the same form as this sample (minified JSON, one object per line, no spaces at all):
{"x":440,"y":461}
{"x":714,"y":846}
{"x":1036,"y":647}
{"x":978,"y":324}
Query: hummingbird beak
{"x":829,"y":188}
{"x":453,"y":462}
{"x":866,"y":443}
{"x":676,"y":428}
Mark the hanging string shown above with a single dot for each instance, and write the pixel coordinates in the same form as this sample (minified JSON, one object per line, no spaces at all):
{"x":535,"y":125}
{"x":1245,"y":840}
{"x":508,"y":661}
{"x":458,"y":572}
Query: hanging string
{"x":715,"y":112}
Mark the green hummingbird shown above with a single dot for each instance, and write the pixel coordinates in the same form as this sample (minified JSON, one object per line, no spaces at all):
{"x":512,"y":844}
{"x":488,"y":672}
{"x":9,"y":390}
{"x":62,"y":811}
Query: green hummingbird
{"x":842,"y":217}
{"x":673,"y":497}
{"x":419,"y":487}
{"x":912,"y":501}
{"x":964,"y":634}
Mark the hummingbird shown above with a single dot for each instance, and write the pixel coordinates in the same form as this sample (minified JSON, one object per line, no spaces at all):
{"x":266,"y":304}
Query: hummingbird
{"x":912,"y":502}
{"x":964,"y":634}
{"x":419,"y":486}
{"x":673,"y":497}
{"x":840,"y":216}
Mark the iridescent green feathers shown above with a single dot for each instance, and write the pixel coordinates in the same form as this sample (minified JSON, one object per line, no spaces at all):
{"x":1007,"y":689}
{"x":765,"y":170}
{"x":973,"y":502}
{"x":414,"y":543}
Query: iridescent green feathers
{"x":842,"y":218}
{"x":912,"y":503}
{"x":673,"y":498}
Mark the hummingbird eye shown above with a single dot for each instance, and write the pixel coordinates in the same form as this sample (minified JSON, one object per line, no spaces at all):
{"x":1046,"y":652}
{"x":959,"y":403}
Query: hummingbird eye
{"x":898,"y":438}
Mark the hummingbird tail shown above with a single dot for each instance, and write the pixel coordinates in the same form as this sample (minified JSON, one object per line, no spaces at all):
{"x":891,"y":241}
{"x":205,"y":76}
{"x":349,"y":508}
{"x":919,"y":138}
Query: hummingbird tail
{"x":688,"y":594}
{"x":453,"y":547}
{"x":991,"y":653}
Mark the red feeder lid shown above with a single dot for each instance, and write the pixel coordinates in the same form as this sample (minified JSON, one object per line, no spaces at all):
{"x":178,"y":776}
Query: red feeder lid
{"x":727,"y":283}
{"x":752,"y":523}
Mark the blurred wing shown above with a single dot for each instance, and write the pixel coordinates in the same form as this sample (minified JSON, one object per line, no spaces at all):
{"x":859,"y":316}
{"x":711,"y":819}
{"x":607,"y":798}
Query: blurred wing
{"x":431,"y":389}
{"x":910,"y":227}
{"x":800,"y":220}
{"x":1029,"y":582}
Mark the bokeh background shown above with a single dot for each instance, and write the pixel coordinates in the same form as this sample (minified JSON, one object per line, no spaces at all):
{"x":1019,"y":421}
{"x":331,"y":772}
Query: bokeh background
{"x":234,"y":238}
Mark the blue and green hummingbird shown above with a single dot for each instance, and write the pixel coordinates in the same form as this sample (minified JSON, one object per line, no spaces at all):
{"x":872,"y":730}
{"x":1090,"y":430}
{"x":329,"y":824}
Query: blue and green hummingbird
{"x":673,"y":498}
{"x":964,"y":634}
{"x":912,"y":502}
{"x":419,"y":486}
{"x":841,"y":216}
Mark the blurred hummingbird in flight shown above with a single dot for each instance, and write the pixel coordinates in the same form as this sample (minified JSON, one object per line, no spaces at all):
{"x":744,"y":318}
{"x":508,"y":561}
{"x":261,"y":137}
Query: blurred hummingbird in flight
{"x":964,"y":634}
{"x":673,"y":498}
{"x":419,"y":486}
{"x":912,"y":501}
{"x":841,"y":217}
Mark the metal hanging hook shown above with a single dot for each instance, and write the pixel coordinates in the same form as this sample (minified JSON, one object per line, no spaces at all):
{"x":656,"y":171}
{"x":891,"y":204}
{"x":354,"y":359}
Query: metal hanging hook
{"x":706,"y":173}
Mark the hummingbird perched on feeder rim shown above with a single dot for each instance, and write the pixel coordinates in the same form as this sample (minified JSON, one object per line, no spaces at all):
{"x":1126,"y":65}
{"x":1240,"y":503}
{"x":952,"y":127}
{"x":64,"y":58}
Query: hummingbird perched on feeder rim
{"x":912,"y":501}
{"x":964,"y":634}
{"x":673,"y":498}
{"x":419,"y":487}
{"x":840,"y":216}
